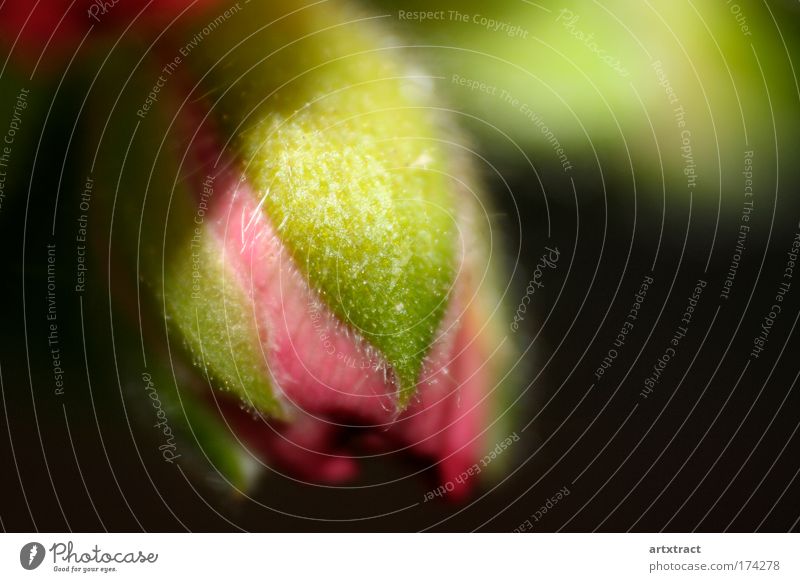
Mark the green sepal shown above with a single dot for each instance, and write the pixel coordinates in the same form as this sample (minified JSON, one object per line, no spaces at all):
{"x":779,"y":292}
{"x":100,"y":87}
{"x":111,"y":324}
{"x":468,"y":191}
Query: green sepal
{"x":342,"y":140}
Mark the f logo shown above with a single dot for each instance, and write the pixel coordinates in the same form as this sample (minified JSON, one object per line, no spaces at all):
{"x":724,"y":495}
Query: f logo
{"x":31,"y":555}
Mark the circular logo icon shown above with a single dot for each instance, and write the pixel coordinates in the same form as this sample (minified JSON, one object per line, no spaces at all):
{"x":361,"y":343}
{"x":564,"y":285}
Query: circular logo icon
{"x":31,"y":555}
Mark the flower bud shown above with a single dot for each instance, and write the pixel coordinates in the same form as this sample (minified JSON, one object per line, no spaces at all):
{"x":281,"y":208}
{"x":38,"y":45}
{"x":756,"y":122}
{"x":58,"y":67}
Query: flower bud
{"x":300,"y":214}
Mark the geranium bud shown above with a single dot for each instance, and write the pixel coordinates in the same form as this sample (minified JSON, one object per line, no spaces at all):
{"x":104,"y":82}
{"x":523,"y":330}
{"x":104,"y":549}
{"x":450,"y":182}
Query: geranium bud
{"x":301,"y":213}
